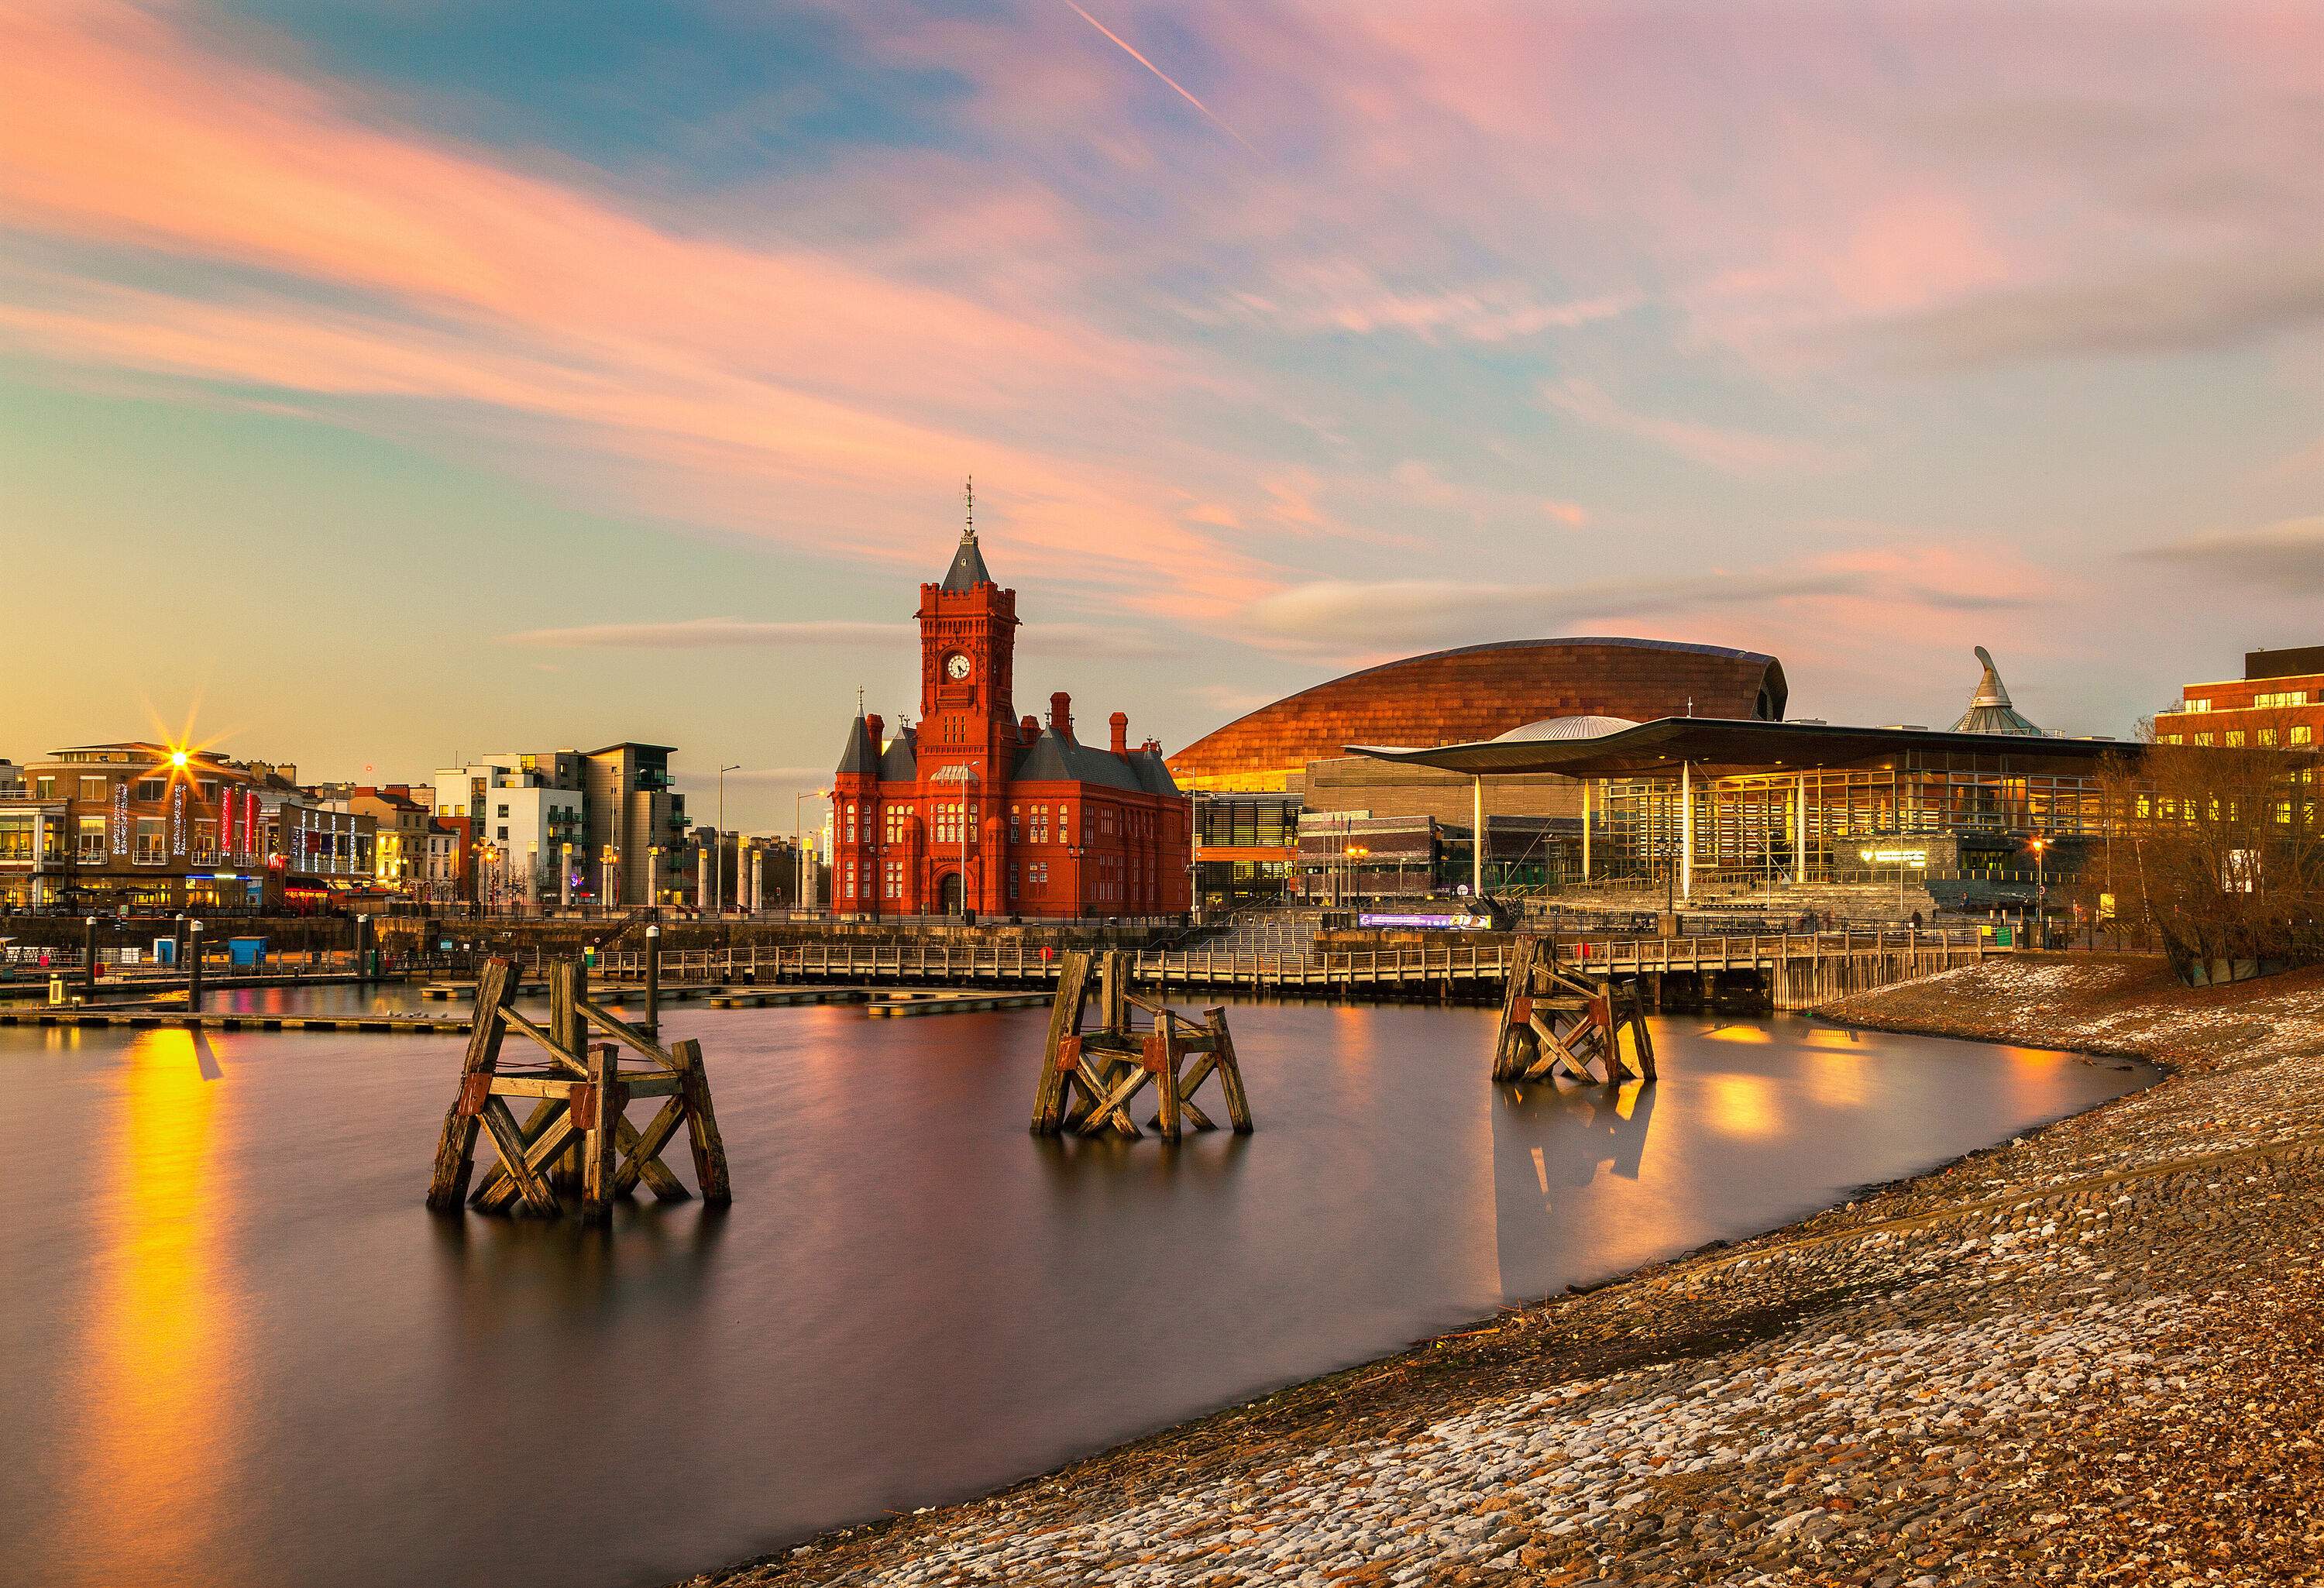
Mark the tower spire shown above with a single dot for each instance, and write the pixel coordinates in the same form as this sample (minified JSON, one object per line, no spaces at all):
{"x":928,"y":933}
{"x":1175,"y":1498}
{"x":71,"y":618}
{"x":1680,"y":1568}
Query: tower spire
{"x":968,"y":493}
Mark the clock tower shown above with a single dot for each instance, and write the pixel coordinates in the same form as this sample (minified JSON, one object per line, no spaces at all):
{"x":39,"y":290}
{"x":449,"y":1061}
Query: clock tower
{"x":968,"y":645}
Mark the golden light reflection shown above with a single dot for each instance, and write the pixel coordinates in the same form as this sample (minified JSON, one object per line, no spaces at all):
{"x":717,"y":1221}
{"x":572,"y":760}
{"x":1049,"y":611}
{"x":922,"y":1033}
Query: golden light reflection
{"x":1834,"y":1080}
{"x":1740,"y":1034}
{"x":1626,"y":1100}
{"x":1741,"y":1106}
{"x":146,"y":1373}
{"x":1828,"y":1036}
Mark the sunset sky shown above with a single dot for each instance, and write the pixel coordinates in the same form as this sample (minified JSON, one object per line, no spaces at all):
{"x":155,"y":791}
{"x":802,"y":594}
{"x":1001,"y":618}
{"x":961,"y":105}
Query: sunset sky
{"x":381,"y":384}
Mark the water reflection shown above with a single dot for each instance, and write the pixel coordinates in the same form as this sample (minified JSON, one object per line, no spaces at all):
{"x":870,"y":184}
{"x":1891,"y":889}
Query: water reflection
{"x":154,"y":1442}
{"x":911,"y":1300}
{"x":1550,"y":1143}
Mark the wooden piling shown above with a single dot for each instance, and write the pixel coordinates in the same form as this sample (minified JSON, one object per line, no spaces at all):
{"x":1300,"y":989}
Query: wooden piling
{"x":577,"y":1135}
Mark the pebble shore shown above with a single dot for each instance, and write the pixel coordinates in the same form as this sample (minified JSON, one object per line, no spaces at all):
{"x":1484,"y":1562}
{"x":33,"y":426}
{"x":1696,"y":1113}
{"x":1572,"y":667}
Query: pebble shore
{"x":2089,"y":1355}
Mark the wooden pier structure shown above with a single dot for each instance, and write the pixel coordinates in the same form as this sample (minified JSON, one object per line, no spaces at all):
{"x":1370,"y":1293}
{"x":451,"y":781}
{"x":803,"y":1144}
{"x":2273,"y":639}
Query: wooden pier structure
{"x":1552,"y":1022}
{"x":578,"y":1135}
{"x":1090,"y":1079}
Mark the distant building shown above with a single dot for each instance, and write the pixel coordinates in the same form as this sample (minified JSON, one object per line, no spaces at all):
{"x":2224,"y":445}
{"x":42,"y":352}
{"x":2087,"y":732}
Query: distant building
{"x":978,"y":810}
{"x":637,"y":830}
{"x":403,"y":824}
{"x":2279,"y":700}
{"x":522,"y":822}
{"x":137,"y":825}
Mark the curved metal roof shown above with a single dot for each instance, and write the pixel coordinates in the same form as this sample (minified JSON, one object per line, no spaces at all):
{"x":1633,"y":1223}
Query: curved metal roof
{"x":1729,"y":746}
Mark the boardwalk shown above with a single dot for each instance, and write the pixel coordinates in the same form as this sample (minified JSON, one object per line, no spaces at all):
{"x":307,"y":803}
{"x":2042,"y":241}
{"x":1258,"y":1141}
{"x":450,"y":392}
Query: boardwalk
{"x":1802,"y":969}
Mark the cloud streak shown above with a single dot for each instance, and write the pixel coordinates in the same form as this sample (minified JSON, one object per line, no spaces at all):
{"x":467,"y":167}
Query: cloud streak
{"x":1060,"y":639}
{"x":1176,"y":86}
{"x":2286,"y":557}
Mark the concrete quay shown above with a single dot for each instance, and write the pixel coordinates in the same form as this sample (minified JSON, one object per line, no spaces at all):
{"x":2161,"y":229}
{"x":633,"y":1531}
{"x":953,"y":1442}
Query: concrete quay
{"x":2091,"y":1354}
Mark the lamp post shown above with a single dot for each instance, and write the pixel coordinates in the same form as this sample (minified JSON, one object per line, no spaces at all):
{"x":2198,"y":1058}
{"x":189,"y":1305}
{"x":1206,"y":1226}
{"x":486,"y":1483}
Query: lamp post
{"x":2041,"y":848}
{"x":718,"y":845}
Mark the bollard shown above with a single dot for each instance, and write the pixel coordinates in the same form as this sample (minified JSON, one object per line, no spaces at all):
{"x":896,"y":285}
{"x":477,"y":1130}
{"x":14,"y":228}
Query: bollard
{"x":88,"y":965}
{"x":193,"y":967}
{"x":653,"y":978}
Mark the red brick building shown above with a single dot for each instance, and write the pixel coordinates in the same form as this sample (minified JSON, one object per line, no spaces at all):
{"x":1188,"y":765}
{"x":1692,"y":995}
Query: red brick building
{"x":976,"y":808}
{"x":2278,"y":701}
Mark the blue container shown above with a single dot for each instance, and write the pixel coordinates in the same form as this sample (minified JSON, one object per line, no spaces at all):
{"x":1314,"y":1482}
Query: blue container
{"x":246,"y":953}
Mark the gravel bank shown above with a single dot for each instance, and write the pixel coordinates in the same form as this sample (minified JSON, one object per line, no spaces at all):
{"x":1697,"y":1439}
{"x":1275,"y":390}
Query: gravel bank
{"x":2090,"y":1355}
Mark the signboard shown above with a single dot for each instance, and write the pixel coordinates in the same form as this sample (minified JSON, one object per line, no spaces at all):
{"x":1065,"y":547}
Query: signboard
{"x":1435,"y":920}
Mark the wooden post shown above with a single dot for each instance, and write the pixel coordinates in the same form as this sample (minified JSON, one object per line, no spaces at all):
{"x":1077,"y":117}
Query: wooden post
{"x":1229,"y":1072}
{"x":193,"y":967}
{"x":653,"y":978}
{"x":1064,"y":1020}
{"x":702,"y":1125}
{"x":1162,"y":1058}
{"x":89,"y":957}
{"x":599,"y":1158}
{"x":456,"y":1150}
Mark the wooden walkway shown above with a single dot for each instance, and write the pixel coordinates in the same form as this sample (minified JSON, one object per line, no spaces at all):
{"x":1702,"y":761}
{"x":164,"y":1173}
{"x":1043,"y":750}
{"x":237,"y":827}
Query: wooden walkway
{"x":879,"y":1002}
{"x":1802,"y":969}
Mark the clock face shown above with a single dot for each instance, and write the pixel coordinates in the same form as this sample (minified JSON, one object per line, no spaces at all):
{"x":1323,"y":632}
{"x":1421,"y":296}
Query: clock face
{"x":956,"y":665}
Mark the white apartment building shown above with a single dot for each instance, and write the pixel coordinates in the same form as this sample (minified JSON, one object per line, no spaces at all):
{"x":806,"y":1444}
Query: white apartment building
{"x":522,"y":821}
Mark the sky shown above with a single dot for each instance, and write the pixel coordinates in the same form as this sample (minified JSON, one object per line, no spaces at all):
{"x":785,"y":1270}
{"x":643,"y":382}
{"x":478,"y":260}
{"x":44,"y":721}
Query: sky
{"x":387,"y":384}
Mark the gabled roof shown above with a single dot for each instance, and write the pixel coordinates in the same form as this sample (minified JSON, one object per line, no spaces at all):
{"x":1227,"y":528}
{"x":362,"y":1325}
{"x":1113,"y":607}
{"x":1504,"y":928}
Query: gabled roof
{"x":860,"y":756}
{"x":967,"y":571}
{"x":899,"y":762}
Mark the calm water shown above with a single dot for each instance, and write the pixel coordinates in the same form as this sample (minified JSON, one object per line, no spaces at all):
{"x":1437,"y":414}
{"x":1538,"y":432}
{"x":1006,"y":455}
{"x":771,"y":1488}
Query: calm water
{"x":239,"y":1352}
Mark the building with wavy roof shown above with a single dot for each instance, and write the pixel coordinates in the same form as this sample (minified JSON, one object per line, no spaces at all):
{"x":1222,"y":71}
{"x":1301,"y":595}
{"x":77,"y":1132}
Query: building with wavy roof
{"x":1479,"y":692}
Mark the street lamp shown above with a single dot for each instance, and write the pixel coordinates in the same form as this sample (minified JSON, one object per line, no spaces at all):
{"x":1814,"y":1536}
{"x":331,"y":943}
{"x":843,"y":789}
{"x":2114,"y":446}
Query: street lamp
{"x":2041,"y":848}
{"x":718,"y":845}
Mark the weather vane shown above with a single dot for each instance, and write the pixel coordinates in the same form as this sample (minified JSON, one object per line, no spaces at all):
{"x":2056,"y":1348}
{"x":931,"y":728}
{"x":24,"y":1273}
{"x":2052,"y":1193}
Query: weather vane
{"x":968,"y":493}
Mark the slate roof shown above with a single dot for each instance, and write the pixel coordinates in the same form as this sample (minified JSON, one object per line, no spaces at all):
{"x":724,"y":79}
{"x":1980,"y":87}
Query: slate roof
{"x":1059,"y":758}
{"x":859,"y":756}
{"x":899,"y":762}
{"x":967,"y":571}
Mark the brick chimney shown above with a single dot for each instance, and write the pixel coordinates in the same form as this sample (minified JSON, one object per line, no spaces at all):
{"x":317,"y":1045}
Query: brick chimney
{"x":873,"y":724}
{"x":1061,"y":713}
{"x":1120,"y":722}
{"x":1029,"y":729}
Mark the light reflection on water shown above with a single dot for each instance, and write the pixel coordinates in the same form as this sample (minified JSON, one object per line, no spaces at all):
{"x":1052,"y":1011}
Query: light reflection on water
{"x":242,"y":1353}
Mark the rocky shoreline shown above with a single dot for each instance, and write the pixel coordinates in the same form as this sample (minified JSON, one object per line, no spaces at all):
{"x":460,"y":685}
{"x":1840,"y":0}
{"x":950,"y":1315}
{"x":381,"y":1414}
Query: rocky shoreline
{"x":2088,"y":1355}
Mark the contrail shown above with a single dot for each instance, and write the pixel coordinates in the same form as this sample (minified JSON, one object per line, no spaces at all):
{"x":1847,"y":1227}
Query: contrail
{"x":1178,"y":87}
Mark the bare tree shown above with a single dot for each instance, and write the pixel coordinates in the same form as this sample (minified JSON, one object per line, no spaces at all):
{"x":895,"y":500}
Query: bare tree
{"x":2217,"y":849}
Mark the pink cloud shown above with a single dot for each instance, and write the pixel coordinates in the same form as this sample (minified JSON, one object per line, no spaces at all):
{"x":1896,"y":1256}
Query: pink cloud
{"x":760,"y":386}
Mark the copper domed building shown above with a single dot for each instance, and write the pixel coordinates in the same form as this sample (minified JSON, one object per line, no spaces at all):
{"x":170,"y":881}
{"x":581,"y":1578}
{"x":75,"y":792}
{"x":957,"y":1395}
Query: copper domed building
{"x":1480,"y":692}
{"x":1279,"y":800}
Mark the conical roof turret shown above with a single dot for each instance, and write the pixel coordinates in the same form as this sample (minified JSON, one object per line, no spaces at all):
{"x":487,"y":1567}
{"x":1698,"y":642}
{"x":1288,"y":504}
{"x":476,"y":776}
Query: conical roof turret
{"x":1989,"y":710}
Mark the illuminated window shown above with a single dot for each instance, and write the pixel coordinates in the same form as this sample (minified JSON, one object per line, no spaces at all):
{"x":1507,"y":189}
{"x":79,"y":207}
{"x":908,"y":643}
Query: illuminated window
{"x":93,"y":789}
{"x":2280,"y":699}
{"x":2302,"y":733}
{"x":148,"y":850}
{"x":2235,"y":738}
{"x":2201,"y":739}
{"x":2199,"y":705}
{"x":2265,"y":737}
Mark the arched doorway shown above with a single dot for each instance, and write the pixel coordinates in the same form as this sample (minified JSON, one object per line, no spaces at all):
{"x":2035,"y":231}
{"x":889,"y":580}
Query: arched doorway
{"x":948,"y":894}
